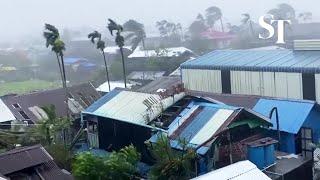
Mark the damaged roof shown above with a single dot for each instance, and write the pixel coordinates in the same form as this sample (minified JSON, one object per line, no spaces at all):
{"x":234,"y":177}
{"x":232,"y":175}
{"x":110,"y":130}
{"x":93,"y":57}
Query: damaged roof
{"x":28,"y":106}
{"x":34,"y":158}
{"x":131,"y":107}
{"x":200,"y":122}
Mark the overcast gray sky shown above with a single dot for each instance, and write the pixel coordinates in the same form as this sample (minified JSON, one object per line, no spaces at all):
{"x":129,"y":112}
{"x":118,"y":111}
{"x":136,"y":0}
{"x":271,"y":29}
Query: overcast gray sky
{"x":20,"y":18}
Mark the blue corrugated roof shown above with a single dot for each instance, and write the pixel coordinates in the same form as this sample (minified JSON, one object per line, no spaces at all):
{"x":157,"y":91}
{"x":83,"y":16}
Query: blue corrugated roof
{"x":258,"y":60}
{"x":292,"y":114}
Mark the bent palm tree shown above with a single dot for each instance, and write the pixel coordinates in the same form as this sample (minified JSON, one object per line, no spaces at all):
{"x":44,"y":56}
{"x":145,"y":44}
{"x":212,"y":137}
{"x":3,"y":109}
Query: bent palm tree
{"x":247,"y":19}
{"x":213,"y":14}
{"x":52,"y":36}
{"x":136,"y":33}
{"x":100,"y":46}
{"x":113,"y":26}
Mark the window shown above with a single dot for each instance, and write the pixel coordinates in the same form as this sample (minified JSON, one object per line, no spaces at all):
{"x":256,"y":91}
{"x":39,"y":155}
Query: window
{"x":16,"y":105}
{"x":24,"y":115}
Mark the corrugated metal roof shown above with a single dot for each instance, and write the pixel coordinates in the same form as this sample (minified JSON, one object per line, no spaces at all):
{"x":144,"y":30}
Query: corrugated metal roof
{"x":198,"y":122}
{"x":247,"y":101}
{"x":21,"y":158}
{"x":84,"y":94}
{"x":5,"y":113}
{"x":258,"y":60}
{"x":292,"y":114}
{"x":130,"y":106}
{"x":242,"y":170}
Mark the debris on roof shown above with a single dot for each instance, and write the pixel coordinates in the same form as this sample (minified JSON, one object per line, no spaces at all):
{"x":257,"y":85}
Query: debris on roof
{"x":132,"y":107}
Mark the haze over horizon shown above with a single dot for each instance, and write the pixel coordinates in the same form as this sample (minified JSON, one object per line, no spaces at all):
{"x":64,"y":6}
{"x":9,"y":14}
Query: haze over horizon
{"x":25,"y":19}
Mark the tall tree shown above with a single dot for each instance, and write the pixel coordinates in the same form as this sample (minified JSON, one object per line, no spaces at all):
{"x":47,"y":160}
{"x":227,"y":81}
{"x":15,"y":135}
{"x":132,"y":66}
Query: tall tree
{"x":247,"y":20}
{"x":136,"y":33}
{"x":213,"y":14}
{"x":113,"y":26}
{"x":95,"y":35}
{"x":284,"y":11}
{"x":52,"y":36}
{"x":169,"y":29}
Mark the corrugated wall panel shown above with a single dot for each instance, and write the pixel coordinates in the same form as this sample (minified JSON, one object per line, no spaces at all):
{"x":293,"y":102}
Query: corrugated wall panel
{"x":294,"y":85}
{"x":281,"y":84}
{"x":317,"y":79}
{"x":202,"y":80}
{"x":245,"y":82}
{"x":289,"y":85}
{"x":267,"y":84}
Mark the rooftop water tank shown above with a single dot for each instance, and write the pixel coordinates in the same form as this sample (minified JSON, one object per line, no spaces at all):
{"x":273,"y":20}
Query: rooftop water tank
{"x":261,"y":152}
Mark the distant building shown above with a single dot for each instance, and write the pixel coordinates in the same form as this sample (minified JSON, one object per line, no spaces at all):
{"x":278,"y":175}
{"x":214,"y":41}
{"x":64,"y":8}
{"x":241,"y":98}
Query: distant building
{"x":104,"y":87}
{"x":221,"y":39}
{"x":162,"y":53}
{"x":31,"y":163}
{"x":145,"y":76}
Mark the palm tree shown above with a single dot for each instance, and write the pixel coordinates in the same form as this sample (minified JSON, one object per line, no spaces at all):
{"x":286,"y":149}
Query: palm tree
{"x":52,"y":36}
{"x":100,"y":46}
{"x":247,"y":19}
{"x":171,"y":164}
{"x":113,"y":26}
{"x":213,"y":14}
{"x":136,"y":33}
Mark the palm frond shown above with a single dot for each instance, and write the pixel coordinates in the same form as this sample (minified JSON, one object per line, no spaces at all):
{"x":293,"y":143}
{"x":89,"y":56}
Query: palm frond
{"x":101,"y":45}
{"x":94,"y":35}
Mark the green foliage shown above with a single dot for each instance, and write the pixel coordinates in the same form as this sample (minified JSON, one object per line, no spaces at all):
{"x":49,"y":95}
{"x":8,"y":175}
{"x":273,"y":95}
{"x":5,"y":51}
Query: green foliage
{"x":113,"y":26}
{"x":118,"y":165}
{"x":171,"y":164}
{"x":87,"y":166}
{"x":25,"y":86}
{"x":48,"y":130}
{"x":52,"y":36}
{"x":96,"y":35}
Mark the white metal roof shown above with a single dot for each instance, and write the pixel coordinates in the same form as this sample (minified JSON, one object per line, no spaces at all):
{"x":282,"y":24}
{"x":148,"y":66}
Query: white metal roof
{"x":170,"y":52}
{"x":242,"y":170}
{"x":113,"y":84}
{"x":129,"y":106}
{"x":114,"y":49}
{"x":5,"y":113}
